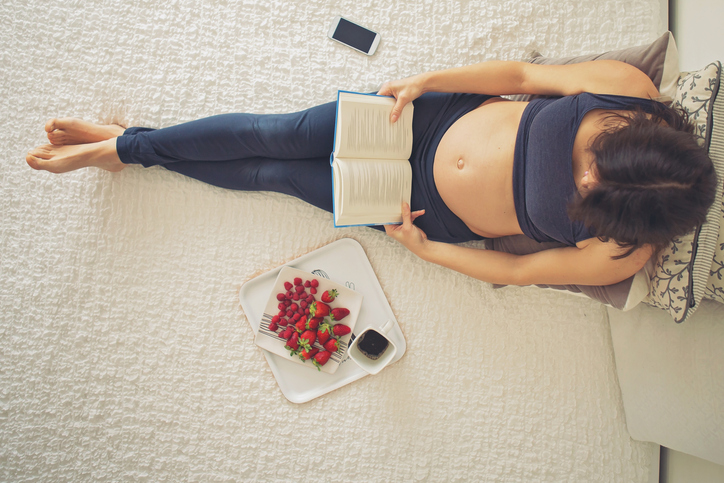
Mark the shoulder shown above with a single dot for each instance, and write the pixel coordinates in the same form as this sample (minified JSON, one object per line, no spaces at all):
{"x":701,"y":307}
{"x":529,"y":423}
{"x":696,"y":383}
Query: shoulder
{"x":630,"y":81}
{"x":606,"y":253}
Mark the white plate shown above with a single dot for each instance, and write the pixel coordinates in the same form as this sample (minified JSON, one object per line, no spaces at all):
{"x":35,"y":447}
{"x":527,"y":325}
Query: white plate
{"x":348,"y":298}
{"x":345,"y":262}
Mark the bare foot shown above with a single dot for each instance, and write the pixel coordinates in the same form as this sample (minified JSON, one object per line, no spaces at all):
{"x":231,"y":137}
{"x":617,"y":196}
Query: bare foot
{"x":69,"y":130}
{"x":61,"y":159}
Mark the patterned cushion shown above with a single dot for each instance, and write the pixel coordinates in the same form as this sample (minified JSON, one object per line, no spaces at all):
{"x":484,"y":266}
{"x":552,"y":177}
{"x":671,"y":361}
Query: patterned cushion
{"x":682,"y":271}
{"x":715,"y":285}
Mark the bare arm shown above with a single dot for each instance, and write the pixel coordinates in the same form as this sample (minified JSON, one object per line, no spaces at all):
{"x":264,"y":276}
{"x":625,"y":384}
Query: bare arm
{"x":589,"y":264}
{"x":502,"y":78}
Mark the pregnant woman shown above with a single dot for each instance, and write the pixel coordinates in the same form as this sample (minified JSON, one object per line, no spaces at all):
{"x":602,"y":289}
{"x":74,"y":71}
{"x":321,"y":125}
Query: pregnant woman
{"x":596,"y":165}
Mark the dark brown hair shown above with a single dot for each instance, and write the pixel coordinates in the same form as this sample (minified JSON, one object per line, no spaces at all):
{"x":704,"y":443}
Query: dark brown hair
{"x":654,"y":182}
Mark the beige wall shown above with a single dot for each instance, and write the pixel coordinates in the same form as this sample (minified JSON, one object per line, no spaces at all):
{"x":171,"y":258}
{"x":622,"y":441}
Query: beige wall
{"x":683,"y":468}
{"x":696,"y":25}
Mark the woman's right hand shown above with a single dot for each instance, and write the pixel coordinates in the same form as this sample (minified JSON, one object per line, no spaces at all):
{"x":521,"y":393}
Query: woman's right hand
{"x":410,"y":235}
{"x":404,"y":91}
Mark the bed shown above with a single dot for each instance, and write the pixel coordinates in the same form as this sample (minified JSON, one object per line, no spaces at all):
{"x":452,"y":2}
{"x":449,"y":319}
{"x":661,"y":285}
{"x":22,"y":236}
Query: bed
{"x":126,"y":355}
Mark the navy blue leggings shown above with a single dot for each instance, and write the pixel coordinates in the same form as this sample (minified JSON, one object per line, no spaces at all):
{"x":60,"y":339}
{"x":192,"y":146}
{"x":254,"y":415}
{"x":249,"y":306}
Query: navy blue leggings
{"x":289,"y":153}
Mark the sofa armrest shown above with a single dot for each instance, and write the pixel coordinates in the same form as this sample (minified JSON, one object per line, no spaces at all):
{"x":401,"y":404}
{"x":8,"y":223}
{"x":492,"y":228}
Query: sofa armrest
{"x":672,"y":377}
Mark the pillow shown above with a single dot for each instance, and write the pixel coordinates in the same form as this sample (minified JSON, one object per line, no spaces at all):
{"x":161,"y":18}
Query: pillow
{"x":683,"y":270}
{"x":659,"y":60}
{"x":623,"y":295}
{"x":715,"y":285}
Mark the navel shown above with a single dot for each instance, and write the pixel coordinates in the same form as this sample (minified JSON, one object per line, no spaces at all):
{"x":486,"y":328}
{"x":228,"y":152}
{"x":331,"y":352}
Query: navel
{"x":461,"y":163}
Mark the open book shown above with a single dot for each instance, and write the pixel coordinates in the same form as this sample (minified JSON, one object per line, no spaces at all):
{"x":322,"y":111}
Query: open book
{"x":371,"y":172}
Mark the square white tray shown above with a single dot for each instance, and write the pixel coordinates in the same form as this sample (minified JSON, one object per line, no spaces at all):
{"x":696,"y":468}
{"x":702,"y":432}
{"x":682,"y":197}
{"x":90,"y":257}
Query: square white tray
{"x":345,"y":262}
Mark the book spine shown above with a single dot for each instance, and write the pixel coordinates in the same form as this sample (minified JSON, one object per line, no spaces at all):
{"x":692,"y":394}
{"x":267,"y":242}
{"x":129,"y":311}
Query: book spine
{"x":336,"y":120}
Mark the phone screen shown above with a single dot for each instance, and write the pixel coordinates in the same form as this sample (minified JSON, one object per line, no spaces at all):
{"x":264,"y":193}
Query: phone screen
{"x":353,"y":35}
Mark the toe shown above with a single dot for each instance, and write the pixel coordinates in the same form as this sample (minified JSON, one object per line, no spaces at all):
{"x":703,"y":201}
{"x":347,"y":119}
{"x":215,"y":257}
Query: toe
{"x":57,"y":136}
{"x":42,"y":152}
{"x":50,"y":125}
{"x":32,"y":161}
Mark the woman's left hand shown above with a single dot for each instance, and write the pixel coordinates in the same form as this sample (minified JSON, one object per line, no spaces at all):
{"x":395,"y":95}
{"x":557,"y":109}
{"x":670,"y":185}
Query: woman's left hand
{"x":404,"y":91}
{"x":412,"y":237}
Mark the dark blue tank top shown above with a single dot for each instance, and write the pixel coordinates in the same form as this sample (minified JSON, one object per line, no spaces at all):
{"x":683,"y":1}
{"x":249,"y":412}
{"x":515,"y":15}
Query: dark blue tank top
{"x":543,"y":182}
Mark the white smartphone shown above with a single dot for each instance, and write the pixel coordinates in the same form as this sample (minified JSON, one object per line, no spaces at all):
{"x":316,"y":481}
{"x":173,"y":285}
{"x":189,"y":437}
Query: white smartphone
{"x":353,"y":35}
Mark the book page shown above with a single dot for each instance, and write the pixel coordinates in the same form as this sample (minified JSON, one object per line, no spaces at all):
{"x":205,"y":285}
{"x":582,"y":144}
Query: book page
{"x":371,"y":191}
{"x":364,"y":129}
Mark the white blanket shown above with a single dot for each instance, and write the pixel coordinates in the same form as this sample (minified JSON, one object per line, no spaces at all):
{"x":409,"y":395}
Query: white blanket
{"x":125,"y":354}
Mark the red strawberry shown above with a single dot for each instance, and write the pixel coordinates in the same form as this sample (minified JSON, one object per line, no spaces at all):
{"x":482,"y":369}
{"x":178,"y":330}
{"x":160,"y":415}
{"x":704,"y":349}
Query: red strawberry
{"x":301,"y":324}
{"x":339,"y":313}
{"x":287,"y":286}
{"x":328,"y":296}
{"x":297,"y":281}
{"x":314,"y":322}
{"x":340,"y":330}
{"x":314,"y":283}
{"x":319,"y":309}
{"x":305,"y":354}
{"x":324,"y":331}
{"x":332,"y":345}
{"x":293,"y":343}
{"x":321,"y":358}
{"x":307,"y":339}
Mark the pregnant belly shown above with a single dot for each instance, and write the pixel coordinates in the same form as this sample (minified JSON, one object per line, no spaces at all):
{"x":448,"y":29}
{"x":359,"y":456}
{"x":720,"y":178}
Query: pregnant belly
{"x":474,"y":168}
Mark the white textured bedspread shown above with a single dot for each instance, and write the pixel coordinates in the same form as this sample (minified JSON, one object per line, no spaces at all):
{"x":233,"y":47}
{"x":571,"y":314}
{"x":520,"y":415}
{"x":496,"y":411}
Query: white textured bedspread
{"x":124,"y":353}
